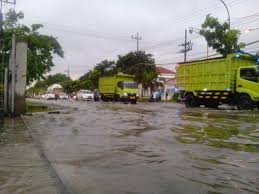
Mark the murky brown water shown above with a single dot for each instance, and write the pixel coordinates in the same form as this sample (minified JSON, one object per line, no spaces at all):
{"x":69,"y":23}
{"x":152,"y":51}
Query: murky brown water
{"x":105,"y":148}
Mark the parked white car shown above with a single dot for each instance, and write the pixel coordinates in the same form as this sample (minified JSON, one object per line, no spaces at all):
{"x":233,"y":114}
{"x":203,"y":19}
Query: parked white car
{"x":49,"y":96}
{"x":43,"y":96}
{"x":85,"y":95}
{"x":63,"y":96}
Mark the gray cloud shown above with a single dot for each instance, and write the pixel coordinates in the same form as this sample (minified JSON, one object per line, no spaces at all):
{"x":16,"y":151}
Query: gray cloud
{"x":91,"y":31}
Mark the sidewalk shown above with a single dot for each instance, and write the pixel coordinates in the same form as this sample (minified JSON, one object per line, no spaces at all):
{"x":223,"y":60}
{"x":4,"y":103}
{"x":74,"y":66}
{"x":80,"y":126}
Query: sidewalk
{"x":23,"y":168}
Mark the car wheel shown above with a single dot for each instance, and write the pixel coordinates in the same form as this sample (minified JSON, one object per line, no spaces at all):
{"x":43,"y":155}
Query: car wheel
{"x":134,"y":102}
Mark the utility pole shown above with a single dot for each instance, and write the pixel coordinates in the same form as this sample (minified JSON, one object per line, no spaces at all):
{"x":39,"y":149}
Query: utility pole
{"x":197,"y":31}
{"x":68,"y":71}
{"x":138,"y":38}
{"x":187,"y":46}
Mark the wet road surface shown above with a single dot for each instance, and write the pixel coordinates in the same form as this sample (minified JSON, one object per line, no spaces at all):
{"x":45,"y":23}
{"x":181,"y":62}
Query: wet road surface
{"x":22,"y":168}
{"x":107,"y":148}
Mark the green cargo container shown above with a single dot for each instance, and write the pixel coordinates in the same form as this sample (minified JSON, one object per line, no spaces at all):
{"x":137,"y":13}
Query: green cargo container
{"x":232,"y":80}
{"x":120,"y":87}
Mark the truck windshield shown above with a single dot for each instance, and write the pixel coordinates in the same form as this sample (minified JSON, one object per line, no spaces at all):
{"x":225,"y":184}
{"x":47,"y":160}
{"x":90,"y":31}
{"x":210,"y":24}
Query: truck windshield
{"x":131,"y":85}
{"x":249,"y":74}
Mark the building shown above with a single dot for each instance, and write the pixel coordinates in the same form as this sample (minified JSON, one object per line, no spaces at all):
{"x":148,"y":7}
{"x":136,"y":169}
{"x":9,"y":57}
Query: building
{"x":166,"y":80}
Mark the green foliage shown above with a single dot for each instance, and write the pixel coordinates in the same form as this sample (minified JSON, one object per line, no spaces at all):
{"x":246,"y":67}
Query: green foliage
{"x":12,"y":19}
{"x":72,"y":86}
{"x":106,"y":68}
{"x":90,"y":80}
{"x":139,"y":64}
{"x":41,"y":48}
{"x":219,"y":36}
{"x":57,"y":78}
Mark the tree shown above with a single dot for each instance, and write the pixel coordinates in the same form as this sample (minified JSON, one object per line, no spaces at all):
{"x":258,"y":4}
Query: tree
{"x":41,"y":48}
{"x":91,"y":79}
{"x":139,"y":64}
{"x":56,"y":78}
{"x":106,"y":68}
{"x":219,"y":36}
{"x":72,"y":86}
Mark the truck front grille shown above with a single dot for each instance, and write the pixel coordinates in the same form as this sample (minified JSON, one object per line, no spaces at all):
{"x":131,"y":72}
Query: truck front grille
{"x":131,"y":95}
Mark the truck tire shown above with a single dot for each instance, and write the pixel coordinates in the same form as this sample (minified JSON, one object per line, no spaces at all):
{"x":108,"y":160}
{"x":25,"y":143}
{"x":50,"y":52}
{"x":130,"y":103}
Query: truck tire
{"x":104,"y":99}
{"x":245,"y":102}
{"x":133,"y":101}
{"x":191,"y":101}
{"x":116,"y":98}
{"x":212,"y":105}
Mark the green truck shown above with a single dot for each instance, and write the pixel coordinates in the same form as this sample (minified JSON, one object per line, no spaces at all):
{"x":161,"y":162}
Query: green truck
{"x":230,"y":80}
{"x":120,"y":87}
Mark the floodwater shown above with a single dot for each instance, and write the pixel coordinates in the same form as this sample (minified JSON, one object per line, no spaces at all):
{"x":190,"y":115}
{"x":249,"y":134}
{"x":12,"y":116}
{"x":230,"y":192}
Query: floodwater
{"x":22,"y":168}
{"x":149,"y":148}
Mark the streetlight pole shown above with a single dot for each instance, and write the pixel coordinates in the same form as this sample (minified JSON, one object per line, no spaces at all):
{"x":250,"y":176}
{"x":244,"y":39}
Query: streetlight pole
{"x":227,"y":11}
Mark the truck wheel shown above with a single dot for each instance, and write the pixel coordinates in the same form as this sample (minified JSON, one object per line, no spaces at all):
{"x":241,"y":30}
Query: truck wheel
{"x":191,"y":101}
{"x":116,"y":98}
{"x":104,"y":99}
{"x":245,"y":102}
{"x":133,"y":102}
{"x":212,"y":105}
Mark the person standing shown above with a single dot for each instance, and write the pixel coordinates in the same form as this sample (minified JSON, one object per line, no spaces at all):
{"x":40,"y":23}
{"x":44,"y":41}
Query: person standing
{"x":159,"y":94}
{"x":166,"y":95}
{"x":155,"y":96}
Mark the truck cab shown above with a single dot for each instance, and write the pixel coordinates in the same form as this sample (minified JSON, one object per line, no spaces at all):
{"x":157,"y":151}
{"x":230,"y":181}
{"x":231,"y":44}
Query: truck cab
{"x":247,"y":87}
{"x":127,"y":91}
{"x":120,"y":87}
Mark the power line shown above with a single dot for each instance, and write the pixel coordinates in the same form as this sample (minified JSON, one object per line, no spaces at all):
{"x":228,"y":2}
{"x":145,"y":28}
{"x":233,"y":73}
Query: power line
{"x":244,"y":17}
{"x":206,"y":11}
{"x":89,"y":34}
{"x":168,"y":43}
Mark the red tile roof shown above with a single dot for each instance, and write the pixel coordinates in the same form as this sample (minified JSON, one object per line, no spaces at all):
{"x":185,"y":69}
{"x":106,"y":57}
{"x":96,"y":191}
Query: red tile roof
{"x":162,"y":70}
{"x":172,"y":79}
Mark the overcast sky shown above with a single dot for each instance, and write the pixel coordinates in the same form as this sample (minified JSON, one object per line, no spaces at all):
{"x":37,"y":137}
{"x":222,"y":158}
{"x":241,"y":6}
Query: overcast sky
{"x":91,"y":31}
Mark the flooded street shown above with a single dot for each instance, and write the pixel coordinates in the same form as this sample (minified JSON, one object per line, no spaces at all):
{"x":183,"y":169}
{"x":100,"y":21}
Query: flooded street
{"x":107,"y":148}
{"x":22,"y":168}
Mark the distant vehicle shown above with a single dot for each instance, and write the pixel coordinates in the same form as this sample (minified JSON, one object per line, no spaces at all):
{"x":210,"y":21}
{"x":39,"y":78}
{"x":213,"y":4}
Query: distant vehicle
{"x":63,"y":96}
{"x":120,"y":87}
{"x":43,"y":96}
{"x":55,"y":89}
{"x":85,"y":95}
{"x":231,"y":80}
{"x":49,"y":96}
